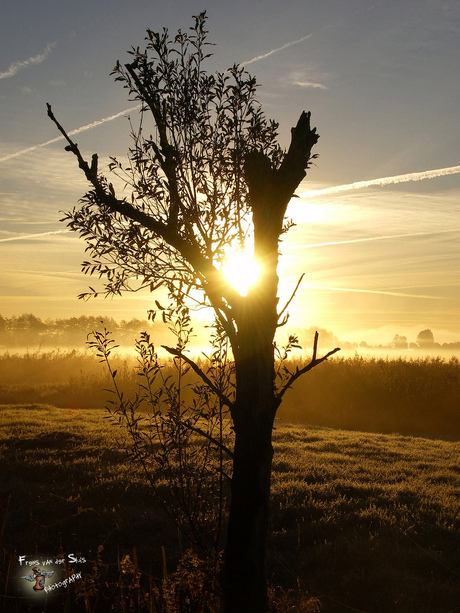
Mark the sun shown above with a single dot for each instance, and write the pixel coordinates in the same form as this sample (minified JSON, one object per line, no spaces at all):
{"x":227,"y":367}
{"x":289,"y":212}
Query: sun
{"x":242,"y":271}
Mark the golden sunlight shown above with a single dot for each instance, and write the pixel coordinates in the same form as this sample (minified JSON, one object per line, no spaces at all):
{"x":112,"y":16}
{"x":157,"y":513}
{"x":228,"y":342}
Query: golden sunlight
{"x":242,"y":271}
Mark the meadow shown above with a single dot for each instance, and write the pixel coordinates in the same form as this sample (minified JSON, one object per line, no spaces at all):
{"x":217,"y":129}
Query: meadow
{"x":360,"y":522}
{"x":365,"y":510}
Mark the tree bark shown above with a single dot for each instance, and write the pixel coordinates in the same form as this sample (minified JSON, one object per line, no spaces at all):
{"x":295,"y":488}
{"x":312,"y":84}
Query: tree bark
{"x":245,"y":579}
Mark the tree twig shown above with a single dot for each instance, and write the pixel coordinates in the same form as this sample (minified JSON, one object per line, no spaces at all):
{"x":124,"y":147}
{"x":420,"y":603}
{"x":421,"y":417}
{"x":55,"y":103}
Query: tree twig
{"x":299,"y":372}
{"x":290,"y":300}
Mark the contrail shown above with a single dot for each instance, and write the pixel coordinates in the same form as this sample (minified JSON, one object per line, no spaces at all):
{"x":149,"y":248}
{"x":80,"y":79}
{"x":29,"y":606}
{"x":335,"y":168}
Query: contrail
{"x":264,"y":55}
{"x":37,"y":59}
{"x":370,"y":238}
{"x":38,"y":235}
{"x":292,"y":42}
{"x":374,"y":291}
{"x":413,"y":176}
{"x":76,"y":131}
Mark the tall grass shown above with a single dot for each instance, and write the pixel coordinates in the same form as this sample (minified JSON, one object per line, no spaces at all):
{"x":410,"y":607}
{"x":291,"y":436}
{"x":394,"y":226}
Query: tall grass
{"x":61,"y":378}
{"x":418,"y":397}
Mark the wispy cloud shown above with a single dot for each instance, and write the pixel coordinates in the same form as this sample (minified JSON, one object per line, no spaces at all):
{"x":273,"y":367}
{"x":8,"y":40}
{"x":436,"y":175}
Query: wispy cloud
{"x":311,"y":84}
{"x":31,"y":61}
{"x":264,"y":55}
{"x":89,"y":126}
{"x":413,"y":176}
{"x":27,"y":236}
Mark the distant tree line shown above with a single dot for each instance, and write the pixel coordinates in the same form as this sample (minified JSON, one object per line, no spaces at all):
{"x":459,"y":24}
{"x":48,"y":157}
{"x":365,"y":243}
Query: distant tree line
{"x":425,"y":340}
{"x":30,"y":330}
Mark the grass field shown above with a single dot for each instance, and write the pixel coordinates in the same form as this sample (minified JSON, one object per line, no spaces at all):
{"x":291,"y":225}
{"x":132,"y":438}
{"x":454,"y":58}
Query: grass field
{"x":360,"y":521}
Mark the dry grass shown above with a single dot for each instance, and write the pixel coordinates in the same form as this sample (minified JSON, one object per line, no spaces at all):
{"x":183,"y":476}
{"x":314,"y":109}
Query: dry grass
{"x":365,"y":522}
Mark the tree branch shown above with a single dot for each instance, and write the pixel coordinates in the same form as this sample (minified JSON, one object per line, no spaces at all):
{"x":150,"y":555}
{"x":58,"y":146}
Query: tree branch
{"x":216,"y":286}
{"x":299,"y":372}
{"x":289,"y":302}
{"x":222,"y":397}
{"x":297,"y":159}
{"x":167,"y":156}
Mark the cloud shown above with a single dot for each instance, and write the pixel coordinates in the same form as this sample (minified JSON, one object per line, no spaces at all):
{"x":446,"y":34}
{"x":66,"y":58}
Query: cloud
{"x":311,"y":84}
{"x":31,"y":61}
{"x":264,"y":55}
{"x":413,"y":176}
{"x":88,"y":126}
{"x":27,"y":236}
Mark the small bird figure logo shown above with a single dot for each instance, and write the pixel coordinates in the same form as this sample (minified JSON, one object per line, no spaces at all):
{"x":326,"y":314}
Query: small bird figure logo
{"x":39,"y":577}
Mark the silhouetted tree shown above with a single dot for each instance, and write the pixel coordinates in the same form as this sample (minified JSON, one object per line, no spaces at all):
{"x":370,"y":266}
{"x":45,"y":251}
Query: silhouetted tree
{"x":399,"y":342}
{"x":425,"y":339}
{"x":206,"y":175}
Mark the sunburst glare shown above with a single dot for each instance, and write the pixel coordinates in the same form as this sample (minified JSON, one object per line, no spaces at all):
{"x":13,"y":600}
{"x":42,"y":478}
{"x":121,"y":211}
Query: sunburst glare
{"x":242,"y":271}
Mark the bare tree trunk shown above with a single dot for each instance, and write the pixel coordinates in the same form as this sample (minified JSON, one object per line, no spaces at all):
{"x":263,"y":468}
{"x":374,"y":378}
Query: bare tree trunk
{"x":245,"y":578}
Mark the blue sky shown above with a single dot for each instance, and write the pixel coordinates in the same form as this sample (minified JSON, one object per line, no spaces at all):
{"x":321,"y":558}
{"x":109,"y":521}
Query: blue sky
{"x":381,"y":81}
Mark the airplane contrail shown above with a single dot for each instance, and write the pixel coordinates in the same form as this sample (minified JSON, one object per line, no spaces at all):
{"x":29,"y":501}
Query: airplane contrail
{"x":264,"y":55}
{"x":412,"y":176}
{"x":289,"y":44}
{"x":15,"y":67}
{"x":369,"y":238}
{"x":37,"y":235}
{"x":88,"y":126}
{"x":374,"y":291}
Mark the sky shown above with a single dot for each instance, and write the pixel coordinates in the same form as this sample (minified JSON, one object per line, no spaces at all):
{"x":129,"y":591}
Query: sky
{"x":378,"y":217}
